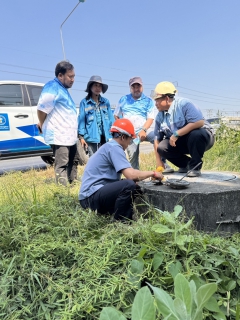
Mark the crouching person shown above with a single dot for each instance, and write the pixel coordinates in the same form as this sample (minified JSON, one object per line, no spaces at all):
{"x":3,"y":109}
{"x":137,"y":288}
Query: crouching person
{"x":102,"y":188}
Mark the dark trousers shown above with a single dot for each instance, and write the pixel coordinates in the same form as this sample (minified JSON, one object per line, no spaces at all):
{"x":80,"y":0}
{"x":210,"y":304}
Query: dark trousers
{"x":66,"y":161}
{"x":195,"y":143}
{"x":114,"y":198}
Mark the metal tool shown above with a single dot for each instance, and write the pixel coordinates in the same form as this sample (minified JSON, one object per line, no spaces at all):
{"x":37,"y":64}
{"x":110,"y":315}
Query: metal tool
{"x":190,"y":171}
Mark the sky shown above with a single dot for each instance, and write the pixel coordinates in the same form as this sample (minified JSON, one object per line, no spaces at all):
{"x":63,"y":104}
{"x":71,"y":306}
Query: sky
{"x":194,"y":44}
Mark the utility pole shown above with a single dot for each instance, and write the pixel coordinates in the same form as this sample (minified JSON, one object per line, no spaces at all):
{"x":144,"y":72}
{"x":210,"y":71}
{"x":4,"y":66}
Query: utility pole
{"x":64,"y":55}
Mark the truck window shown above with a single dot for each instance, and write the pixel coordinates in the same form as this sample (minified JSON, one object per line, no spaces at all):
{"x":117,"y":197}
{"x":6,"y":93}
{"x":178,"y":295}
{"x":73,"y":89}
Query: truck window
{"x":34,"y":94}
{"x":11,"y":95}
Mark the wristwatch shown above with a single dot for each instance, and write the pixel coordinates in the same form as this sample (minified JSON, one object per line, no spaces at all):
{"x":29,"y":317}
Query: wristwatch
{"x":175,"y":133}
{"x":144,"y":129}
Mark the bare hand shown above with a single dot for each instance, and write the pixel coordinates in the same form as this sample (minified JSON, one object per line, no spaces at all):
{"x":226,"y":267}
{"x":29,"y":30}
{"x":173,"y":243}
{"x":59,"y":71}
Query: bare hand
{"x":158,"y":175}
{"x":142,"y":135}
{"x":173,"y":140}
{"x":83,"y":143}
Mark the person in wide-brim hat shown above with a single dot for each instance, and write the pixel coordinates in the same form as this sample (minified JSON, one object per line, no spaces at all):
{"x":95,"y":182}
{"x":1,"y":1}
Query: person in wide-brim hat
{"x":95,"y":116}
{"x":97,"y":79}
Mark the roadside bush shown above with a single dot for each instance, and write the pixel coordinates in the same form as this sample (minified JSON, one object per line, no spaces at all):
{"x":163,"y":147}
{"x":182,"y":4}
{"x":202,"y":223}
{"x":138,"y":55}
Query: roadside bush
{"x":58,"y":261}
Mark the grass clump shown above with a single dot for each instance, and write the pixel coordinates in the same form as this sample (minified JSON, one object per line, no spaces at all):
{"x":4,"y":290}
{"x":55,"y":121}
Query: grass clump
{"x":58,"y":261}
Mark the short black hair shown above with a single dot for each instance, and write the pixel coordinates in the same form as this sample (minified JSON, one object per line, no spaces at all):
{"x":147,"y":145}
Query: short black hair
{"x":62,"y":67}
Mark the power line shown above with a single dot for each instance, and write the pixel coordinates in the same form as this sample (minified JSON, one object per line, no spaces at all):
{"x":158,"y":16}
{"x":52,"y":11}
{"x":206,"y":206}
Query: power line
{"x":210,"y":94}
{"x":42,"y":70}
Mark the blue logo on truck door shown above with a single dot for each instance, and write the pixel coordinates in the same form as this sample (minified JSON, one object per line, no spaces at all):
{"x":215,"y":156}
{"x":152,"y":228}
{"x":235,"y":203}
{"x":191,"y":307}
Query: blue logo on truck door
{"x":4,"y":122}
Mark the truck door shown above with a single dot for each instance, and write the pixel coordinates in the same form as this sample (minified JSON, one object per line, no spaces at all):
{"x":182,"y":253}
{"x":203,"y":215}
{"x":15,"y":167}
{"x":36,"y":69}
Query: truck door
{"x":16,"y":121}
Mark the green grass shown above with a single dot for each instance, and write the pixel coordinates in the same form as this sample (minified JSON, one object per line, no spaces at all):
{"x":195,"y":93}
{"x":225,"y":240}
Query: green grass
{"x":58,"y":261}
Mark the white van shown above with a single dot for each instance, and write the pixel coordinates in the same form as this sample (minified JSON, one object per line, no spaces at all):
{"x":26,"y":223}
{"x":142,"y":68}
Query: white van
{"x":19,"y":135}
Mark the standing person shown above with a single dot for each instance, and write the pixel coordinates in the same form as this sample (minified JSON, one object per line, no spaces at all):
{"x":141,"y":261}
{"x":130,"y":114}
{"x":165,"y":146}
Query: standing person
{"x":57,"y":116}
{"x":180,"y":130}
{"x":95,"y":116}
{"x":139,"y":109}
{"x":101,"y":188}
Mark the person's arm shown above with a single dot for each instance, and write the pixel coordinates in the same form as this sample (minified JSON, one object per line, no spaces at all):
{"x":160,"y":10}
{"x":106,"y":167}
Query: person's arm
{"x":137,"y":175}
{"x":82,"y":124}
{"x":41,"y":117}
{"x":185,"y":130}
{"x":150,"y":117}
{"x":158,"y":137}
{"x":110,"y":114}
{"x":143,"y":133}
{"x":159,"y":162}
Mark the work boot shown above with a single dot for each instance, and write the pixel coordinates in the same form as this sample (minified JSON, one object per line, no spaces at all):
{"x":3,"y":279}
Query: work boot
{"x":194,"y":173}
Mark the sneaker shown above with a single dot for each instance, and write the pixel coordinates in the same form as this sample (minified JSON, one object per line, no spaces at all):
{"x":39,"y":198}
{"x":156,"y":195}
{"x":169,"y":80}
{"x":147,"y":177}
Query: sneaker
{"x":167,"y":169}
{"x":183,"y":170}
{"x":194,"y":173}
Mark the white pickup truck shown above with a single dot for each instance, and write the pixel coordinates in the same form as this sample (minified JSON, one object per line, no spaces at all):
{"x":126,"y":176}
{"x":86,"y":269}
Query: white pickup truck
{"x":19,"y":135}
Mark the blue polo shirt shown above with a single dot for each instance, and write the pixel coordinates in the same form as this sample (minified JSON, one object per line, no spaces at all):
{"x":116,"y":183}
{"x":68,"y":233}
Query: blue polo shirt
{"x":181,"y":112}
{"x":103,"y":167}
{"x":60,"y":126}
{"x":137,"y":111}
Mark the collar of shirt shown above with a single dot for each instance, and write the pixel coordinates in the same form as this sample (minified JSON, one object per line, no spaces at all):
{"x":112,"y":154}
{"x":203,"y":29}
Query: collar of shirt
{"x":141,"y":98}
{"x":94,"y":102}
{"x":60,"y":83}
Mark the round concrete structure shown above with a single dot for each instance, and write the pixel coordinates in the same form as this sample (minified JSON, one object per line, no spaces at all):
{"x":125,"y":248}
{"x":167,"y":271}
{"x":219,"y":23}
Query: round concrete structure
{"x":213,"y":198}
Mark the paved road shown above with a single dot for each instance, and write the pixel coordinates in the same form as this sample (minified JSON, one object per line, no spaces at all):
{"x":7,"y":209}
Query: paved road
{"x":25,"y":164}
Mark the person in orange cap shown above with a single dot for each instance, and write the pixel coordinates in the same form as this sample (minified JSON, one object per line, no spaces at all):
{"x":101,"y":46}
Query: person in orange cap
{"x":102,"y":188}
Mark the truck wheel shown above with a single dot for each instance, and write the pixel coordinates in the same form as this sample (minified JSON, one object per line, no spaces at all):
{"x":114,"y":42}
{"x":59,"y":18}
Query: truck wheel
{"x":82,"y":156}
{"x":48,"y":159}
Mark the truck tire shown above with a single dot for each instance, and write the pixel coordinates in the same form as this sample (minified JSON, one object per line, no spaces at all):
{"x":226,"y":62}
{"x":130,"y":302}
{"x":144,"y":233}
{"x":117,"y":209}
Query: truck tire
{"x":48,"y":159}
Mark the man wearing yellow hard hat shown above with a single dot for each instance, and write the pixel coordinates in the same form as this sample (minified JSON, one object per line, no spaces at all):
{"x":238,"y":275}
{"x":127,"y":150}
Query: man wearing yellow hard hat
{"x":182,"y":135}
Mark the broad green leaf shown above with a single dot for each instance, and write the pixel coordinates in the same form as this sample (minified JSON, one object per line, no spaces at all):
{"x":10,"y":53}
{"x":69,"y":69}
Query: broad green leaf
{"x":109,"y":313}
{"x":198,"y":315}
{"x":204,"y":293}
{"x":231,"y":285}
{"x":137,"y":266}
{"x":186,"y":225}
{"x":220,"y":316}
{"x":177,"y":211}
{"x":234,"y":251}
{"x":212,"y":305}
{"x":143,"y":305}
{"x":160,"y":228}
{"x":157,"y":260}
{"x":180,"y":308}
{"x":175,"y":268}
{"x":193,"y":291}
{"x":180,"y":241}
{"x":142,"y":252}
{"x":183,"y":292}
{"x":238,"y":273}
{"x":165,"y":303}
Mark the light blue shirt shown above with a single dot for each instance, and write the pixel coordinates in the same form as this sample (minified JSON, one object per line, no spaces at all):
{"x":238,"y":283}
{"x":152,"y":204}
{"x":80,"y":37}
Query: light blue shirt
{"x":103,"y":167}
{"x":137,"y":111}
{"x":181,"y":112}
{"x":60,"y":126}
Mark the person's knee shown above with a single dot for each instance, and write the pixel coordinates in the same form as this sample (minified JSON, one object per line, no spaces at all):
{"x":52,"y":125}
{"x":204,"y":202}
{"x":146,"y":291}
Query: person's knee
{"x":161,"y":149}
{"x":129,"y":185}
